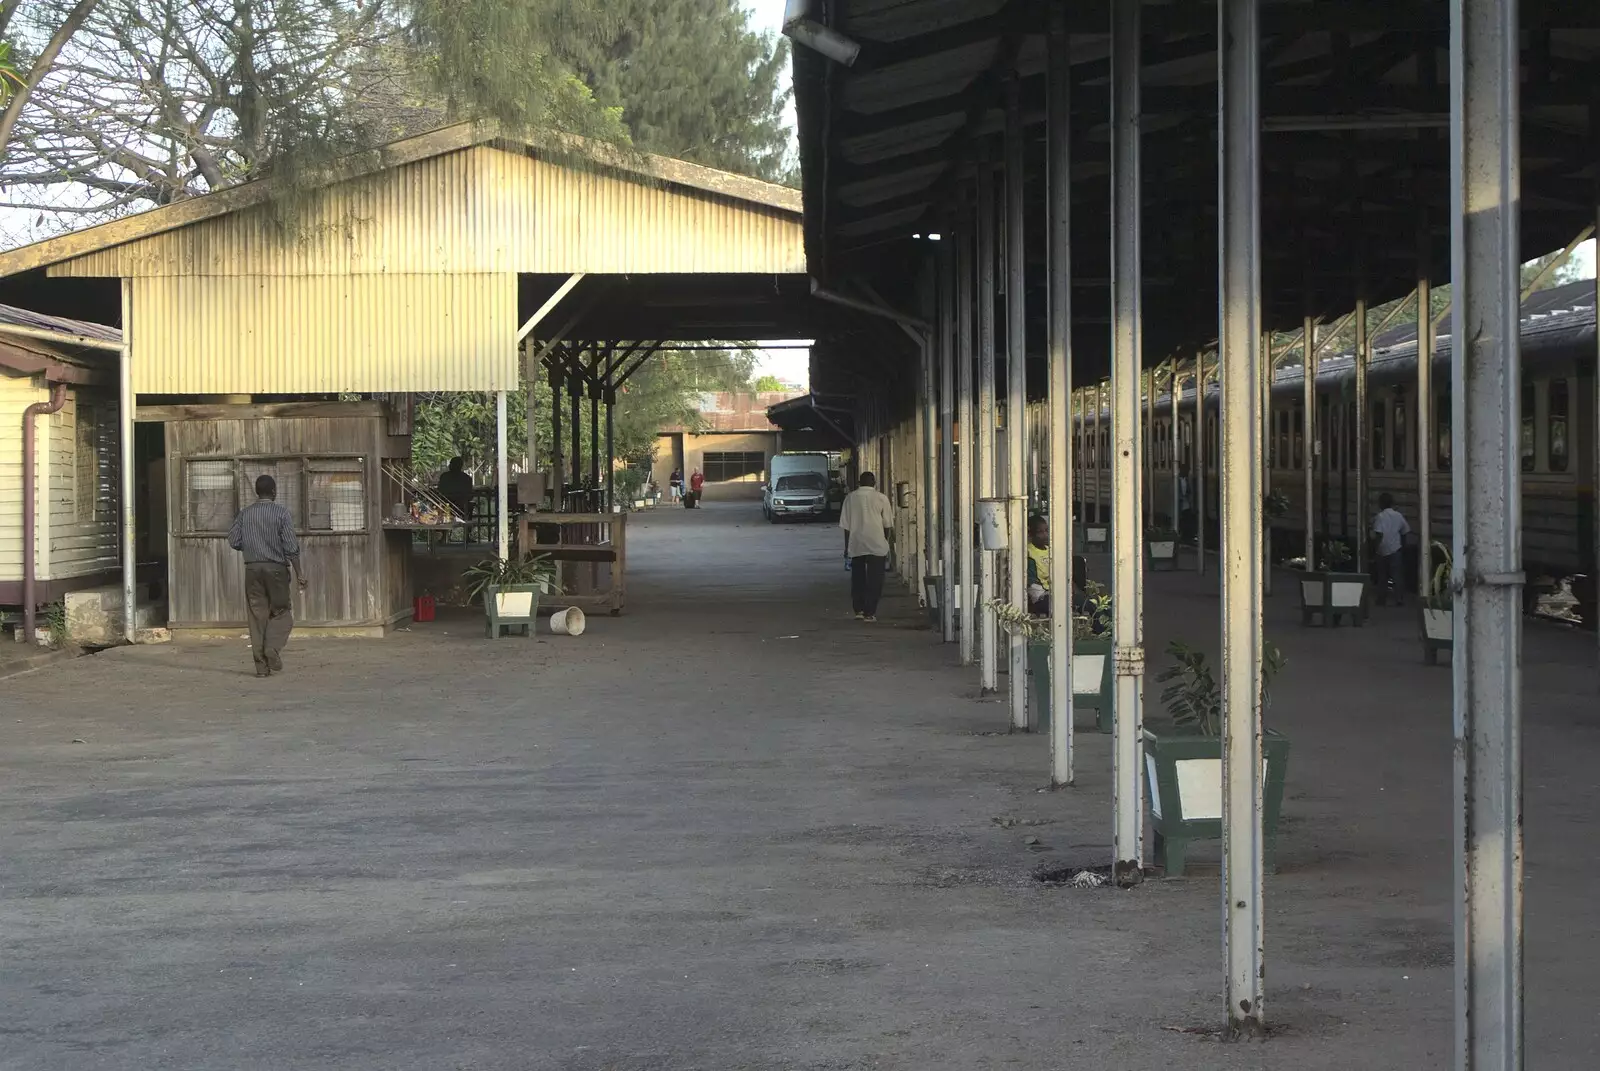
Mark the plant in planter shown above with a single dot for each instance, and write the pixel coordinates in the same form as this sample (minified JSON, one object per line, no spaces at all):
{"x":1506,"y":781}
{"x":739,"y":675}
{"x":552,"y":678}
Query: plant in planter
{"x":628,"y":488}
{"x":1183,"y":763}
{"x":510,"y":590}
{"x":1438,"y":609}
{"x":1091,"y":654}
{"x":1161,"y":549}
{"x":1331,"y":591}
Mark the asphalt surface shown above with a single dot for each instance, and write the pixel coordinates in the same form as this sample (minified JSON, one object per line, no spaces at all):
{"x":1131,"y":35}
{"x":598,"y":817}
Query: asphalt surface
{"x":730,"y":829}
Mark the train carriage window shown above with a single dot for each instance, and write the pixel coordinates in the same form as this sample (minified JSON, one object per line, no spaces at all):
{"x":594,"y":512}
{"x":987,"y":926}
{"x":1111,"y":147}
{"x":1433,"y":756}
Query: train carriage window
{"x":1380,"y":440}
{"x":1297,"y":436}
{"x":1330,"y":434}
{"x":1443,"y":414}
{"x":1351,"y":442}
{"x":1529,"y":411}
{"x":1397,"y":457}
{"x":1556,"y":423}
{"x":1283,"y":438}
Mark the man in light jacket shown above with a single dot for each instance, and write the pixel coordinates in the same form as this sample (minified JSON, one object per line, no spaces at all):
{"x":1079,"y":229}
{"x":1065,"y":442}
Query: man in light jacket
{"x":867,"y":519}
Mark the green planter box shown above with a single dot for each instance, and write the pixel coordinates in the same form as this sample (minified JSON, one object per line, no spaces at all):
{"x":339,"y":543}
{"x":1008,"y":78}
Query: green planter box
{"x":1093,"y":676}
{"x":1438,"y":629}
{"x":1183,"y":782}
{"x":513,"y":606}
{"x":1161,"y":551}
{"x":1334,"y":596}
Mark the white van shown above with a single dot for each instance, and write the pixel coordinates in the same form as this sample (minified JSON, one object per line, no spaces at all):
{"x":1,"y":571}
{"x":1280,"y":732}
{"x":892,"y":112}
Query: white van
{"x":797,"y":486}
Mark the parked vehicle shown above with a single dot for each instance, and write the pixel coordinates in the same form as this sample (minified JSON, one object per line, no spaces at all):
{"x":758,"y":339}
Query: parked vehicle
{"x":797,"y":486}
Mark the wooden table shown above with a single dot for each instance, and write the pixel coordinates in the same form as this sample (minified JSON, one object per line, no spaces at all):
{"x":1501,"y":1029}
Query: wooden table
{"x":594,"y":538}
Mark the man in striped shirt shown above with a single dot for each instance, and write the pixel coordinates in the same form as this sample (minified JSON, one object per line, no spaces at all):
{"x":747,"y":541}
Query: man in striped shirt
{"x":264,"y":533}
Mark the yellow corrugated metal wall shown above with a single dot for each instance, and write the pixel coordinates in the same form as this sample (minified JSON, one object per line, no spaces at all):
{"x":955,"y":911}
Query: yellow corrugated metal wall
{"x":295,"y":335}
{"x":405,"y":280}
{"x":477,"y":210}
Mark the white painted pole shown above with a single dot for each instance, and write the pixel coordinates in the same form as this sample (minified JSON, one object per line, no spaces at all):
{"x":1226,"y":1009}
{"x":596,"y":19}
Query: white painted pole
{"x":503,"y":478}
{"x":983,"y":438}
{"x":1486,"y":509}
{"x":964,"y":455}
{"x":1308,"y":434}
{"x":1239,"y":240}
{"x":1062,"y":453}
{"x":1127,"y":522}
{"x":1016,"y":400}
{"x":130,"y":521}
{"x":947,"y":469}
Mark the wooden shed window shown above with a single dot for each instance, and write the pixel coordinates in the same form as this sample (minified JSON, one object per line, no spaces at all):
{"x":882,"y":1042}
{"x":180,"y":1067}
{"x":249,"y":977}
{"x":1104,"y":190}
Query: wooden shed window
{"x":336,"y":497}
{"x":287,"y":471}
{"x":210,"y":495}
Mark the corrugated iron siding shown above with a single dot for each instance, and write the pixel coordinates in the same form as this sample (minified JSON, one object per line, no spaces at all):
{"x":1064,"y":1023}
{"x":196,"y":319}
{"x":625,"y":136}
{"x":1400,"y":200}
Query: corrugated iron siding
{"x":293,"y":335}
{"x":478,"y":210}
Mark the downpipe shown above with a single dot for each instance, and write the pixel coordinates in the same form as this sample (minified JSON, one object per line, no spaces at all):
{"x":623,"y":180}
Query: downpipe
{"x":30,"y":453}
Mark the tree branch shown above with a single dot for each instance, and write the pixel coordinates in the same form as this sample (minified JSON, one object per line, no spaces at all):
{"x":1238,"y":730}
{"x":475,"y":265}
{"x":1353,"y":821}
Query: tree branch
{"x":69,"y":26}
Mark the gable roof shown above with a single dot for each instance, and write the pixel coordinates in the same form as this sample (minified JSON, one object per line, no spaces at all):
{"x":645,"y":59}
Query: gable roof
{"x":660,"y":169}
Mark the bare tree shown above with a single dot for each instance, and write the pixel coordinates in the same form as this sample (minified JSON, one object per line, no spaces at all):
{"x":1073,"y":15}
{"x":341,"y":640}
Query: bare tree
{"x":20,"y":88}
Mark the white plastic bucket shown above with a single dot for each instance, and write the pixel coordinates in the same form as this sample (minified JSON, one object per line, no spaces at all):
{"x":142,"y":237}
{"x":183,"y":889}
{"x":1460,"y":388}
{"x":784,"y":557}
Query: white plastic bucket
{"x":568,"y":622}
{"x":992,"y":523}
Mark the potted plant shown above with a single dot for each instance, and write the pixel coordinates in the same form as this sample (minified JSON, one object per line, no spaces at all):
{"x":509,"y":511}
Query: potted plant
{"x":510,"y":590}
{"x":1183,"y":762}
{"x":1161,"y":549}
{"x":1438,"y":609}
{"x":628,"y":487}
{"x":1092,"y":677}
{"x":1331,"y":591}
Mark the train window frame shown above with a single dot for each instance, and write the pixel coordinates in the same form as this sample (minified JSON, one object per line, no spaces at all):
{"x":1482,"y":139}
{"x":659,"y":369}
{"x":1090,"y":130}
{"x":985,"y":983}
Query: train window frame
{"x":1443,"y":421}
{"x":1297,"y":436}
{"x":1378,"y":436}
{"x":1528,"y":435}
{"x":1551,"y":421}
{"x":1399,"y":432}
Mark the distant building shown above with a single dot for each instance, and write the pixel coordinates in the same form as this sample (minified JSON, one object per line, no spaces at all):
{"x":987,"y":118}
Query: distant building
{"x":732,"y":446}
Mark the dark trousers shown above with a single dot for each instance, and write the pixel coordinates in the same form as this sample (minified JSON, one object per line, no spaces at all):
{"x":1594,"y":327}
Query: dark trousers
{"x":266,"y":598}
{"x":1387,"y":570}
{"x":866,"y":582}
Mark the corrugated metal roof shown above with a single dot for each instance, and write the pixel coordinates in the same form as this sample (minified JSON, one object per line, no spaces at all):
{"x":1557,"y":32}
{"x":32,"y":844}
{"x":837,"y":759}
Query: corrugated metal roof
{"x":475,"y":210}
{"x":687,"y":180}
{"x":324,"y":335}
{"x":10,"y":314}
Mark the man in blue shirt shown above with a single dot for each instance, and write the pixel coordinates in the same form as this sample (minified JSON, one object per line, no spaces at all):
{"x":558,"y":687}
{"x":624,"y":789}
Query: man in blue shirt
{"x":264,"y":533}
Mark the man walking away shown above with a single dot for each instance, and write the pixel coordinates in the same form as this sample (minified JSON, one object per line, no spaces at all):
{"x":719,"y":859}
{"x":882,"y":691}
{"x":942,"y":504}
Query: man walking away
{"x":1389,"y":530}
{"x":264,"y":532}
{"x":867,"y":519}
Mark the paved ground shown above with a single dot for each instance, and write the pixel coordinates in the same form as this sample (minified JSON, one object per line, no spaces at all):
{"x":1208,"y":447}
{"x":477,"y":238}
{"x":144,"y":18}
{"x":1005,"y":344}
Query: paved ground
{"x":729,"y":830}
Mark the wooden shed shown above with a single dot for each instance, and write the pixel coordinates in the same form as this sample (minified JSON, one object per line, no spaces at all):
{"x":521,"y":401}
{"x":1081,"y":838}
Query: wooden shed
{"x":328,"y":459}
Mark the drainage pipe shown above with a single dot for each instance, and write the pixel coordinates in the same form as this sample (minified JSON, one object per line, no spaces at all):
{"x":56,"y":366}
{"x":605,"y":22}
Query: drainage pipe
{"x":30,"y":454}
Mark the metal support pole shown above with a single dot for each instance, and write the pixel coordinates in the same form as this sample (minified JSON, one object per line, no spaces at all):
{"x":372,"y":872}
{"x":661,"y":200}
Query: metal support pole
{"x":1269,"y":366}
{"x":947,"y":456}
{"x":1016,"y":400}
{"x":1097,"y":451}
{"x":1200,"y":463}
{"x":1127,"y":522}
{"x":1173,"y":469}
{"x":1363,"y":449}
{"x":557,"y":462}
{"x":1486,"y":529}
{"x":1079,"y":420}
{"x":594,"y":429}
{"x":1059,"y":270}
{"x":611,"y":448}
{"x":1424,"y":420}
{"x":574,"y":397}
{"x":130,"y":521}
{"x":1239,"y":243}
{"x":965,"y":552}
{"x":930,"y":452}
{"x":1308,"y":433}
{"x":983,"y":438}
{"x":502,"y":472}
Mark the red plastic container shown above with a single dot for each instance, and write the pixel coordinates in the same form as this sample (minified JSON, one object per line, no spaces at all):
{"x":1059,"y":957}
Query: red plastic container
{"x":422,"y":608}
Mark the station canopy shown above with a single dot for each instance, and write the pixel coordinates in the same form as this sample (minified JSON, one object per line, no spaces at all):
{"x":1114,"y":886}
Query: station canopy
{"x":1354,"y":151}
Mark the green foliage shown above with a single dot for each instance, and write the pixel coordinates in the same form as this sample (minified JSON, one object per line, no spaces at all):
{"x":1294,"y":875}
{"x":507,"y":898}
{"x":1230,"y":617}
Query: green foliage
{"x":1275,"y":505}
{"x":1439,"y":585}
{"x":1094,"y":621}
{"x":1335,"y":555}
{"x":55,"y":623}
{"x":1194,"y":698}
{"x":692,"y":80}
{"x":492,"y":572}
{"x":10,"y":80}
{"x":628,"y":483}
{"x":767,"y":383}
